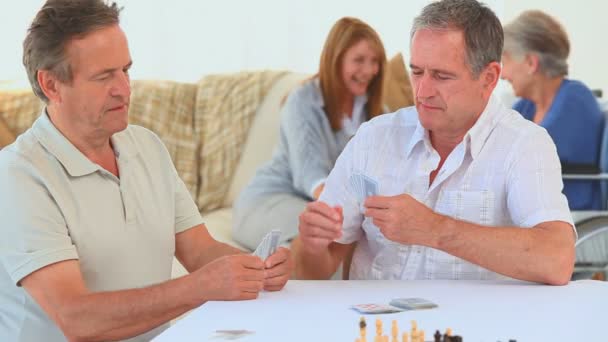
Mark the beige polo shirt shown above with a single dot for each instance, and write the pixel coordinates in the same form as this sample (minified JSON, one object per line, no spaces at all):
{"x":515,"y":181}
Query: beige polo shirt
{"x":57,"y":205}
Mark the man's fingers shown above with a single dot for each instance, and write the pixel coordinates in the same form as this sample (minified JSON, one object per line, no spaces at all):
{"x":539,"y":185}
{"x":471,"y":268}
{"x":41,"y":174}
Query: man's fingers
{"x":251,"y":275}
{"x":382,"y":214}
{"x":320,"y":221}
{"x":250,"y":261}
{"x":378,"y":202}
{"x":277,"y":270}
{"x":280,"y":256}
{"x":251,"y":286}
{"x":323,"y":209}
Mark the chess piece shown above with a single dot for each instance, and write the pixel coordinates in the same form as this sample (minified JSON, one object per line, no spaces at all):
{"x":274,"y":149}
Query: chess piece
{"x":437,"y":336}
{"x":378,"y":327}
{"x":395,"y":331}
{"x":362,"y":329}
{"x":404,"y":338}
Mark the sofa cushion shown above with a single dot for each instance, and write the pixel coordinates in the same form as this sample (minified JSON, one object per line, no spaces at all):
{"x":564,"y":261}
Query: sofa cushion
{"x":6,"y":135}
{"x":263,"y":134}
{"x":19,"y":109}
{"x":225,"y":107}
{"x":397,"y":90}
{"x":166,"y":107}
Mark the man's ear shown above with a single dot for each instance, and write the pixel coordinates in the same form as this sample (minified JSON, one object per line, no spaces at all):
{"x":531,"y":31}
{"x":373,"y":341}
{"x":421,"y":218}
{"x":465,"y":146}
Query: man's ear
{"x":490,"y":76}
{"x":49,"y":85}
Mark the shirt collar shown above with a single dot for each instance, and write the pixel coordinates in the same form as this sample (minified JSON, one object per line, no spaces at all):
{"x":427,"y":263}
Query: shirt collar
{"x":74,"y":161}
{"x":475,"y":138}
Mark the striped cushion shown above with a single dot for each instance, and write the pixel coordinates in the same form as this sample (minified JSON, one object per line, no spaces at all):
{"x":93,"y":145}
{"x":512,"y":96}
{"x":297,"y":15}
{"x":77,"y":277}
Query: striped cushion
{"x":225,"y":107}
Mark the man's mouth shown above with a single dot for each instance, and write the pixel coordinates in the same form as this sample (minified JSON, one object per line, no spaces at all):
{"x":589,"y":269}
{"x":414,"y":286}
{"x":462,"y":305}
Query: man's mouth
{"x":120,"y":107}
{"x":428,"y":106}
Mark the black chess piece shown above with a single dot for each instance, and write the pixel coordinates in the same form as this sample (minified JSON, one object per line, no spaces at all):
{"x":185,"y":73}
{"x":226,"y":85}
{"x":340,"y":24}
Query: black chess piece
{"x":437,"y":336}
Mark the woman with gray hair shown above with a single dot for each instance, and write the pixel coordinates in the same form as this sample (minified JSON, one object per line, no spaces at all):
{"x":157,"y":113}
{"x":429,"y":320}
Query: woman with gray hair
{"x":534,"y":60}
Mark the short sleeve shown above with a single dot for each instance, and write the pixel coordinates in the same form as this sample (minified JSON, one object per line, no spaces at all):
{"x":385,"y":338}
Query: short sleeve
{"x":34,"y":232}
{"x":186,"y":212}
{"x":534,"y":186}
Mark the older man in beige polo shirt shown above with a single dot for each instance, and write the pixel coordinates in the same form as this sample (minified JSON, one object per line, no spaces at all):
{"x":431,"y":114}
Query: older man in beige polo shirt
{"x":93,"y":210}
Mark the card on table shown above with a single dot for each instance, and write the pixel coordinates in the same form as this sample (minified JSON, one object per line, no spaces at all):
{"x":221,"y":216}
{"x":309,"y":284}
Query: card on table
{"x":231,"y":334}
{"x":412,"y":303}
{"x":372,"y":308}
{"x":269,"y":244}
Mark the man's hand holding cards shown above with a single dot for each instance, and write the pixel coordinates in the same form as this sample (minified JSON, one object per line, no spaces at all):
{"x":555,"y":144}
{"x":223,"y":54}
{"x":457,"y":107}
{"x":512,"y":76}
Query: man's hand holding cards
{"x":276,"y":260}
{"x":269,"y":245}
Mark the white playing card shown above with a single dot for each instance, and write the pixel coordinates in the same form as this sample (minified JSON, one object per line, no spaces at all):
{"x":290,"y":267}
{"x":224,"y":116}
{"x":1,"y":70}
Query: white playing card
{"x":363,"y":186}
{"x":371,"y":186}
{"x":373,"y":308}
{"x":269,"y":244}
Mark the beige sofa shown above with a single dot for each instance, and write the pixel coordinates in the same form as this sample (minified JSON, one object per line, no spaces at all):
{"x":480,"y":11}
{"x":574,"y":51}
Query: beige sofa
{"x":218,"y":131}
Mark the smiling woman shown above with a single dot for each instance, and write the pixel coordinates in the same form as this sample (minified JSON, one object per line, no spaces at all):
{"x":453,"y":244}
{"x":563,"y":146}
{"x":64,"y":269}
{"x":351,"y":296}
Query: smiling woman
{"x":317,"y":121}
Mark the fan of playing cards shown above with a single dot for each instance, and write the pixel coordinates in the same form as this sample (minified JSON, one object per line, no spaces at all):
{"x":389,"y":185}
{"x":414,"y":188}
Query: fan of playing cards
{"x":363,"y":186}
{"x":269,"y":244}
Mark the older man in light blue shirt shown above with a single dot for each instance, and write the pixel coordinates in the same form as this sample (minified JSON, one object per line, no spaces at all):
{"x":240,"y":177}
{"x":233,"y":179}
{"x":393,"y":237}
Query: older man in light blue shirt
{"x":467,"y":188}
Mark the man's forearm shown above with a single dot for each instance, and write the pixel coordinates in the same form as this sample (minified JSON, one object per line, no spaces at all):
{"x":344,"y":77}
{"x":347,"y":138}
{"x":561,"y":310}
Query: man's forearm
{"x":213,"y":252}
{"x":534,"y":254}
{"x":312,"y":266}
{"x":123,"y":314}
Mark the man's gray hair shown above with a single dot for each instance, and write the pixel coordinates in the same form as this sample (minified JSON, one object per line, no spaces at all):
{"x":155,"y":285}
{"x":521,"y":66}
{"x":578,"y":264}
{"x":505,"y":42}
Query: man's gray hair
{"x":482,"y":30}
{"x":57,"y":22}
{"x":538,"y":33}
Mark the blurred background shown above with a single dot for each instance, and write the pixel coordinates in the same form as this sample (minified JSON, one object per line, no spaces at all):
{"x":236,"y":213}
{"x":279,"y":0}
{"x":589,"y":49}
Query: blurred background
{"x":183,"y":40}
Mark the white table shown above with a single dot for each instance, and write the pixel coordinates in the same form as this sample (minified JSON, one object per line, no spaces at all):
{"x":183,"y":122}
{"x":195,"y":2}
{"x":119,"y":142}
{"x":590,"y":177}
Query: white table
{"x":477,"y":310}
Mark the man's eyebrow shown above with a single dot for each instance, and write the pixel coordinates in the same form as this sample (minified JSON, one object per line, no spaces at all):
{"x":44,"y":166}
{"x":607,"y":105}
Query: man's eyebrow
{"x":441,"y":71}
{"x":109,"y":70}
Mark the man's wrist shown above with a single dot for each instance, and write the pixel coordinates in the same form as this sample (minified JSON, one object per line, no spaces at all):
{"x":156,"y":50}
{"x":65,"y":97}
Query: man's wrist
{"x":443,"y":231}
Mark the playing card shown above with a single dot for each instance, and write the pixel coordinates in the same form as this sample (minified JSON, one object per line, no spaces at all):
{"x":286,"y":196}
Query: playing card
{"x":370,"y":185}
{"x":375,"y":308}
{"x":363,"y":186}
{"x":412,"y":303}
{"x":231,"y":334}
{"x":269,"y":244}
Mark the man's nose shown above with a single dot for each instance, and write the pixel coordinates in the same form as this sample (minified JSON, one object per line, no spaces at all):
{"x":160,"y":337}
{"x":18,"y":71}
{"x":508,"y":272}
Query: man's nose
{"x":425,"y":87}
{"x":122,"y":85}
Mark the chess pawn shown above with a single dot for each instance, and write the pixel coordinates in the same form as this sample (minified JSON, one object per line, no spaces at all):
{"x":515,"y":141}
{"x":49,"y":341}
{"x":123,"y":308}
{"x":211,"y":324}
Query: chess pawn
{"x":378,"y":327}
{"x":395,"y":331}
{"x":404,"y":337}
{"x":421,"y":336}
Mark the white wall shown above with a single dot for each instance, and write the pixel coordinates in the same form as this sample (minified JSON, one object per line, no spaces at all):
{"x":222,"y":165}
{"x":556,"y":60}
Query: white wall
{"x":186,"y":39}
